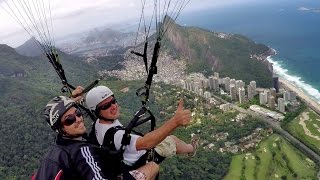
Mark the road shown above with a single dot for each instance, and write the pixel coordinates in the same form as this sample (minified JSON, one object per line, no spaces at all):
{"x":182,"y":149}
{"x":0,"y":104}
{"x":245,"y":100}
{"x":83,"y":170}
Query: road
{"x":276,"y":127}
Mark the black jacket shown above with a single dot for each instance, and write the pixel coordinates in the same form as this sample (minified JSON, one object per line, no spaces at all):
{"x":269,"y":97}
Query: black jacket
{"x":70,"y":159}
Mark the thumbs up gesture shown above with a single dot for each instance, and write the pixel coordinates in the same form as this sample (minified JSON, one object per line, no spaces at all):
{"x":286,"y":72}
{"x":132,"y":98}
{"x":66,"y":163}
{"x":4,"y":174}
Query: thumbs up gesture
{"x":182,"y":116}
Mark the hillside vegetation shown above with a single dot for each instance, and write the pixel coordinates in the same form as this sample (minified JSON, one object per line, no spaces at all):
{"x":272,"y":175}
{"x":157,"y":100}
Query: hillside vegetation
{"x":27,"y":84}
{"x":231,"y":55}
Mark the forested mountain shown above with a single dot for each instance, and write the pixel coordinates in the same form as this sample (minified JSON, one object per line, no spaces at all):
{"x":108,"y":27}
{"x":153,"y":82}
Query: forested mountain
{"x":29,"y":48}
{"x":231,"y":55}
{"x":27,"y":84}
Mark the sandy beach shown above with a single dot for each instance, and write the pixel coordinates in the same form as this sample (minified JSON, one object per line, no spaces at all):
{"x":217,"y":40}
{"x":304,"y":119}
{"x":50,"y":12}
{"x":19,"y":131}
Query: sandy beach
{"x":309,"y":102}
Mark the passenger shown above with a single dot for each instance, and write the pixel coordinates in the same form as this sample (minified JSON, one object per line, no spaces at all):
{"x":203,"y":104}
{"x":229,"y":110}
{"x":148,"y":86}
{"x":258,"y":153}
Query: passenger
{"x":102,"y":102}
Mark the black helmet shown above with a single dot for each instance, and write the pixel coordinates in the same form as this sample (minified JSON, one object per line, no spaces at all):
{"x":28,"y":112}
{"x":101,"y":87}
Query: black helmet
{"x":55,"y":109}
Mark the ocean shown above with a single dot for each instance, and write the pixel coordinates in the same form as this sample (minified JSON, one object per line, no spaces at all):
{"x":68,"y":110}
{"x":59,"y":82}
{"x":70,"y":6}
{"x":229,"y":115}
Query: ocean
{"x":291,"y":27}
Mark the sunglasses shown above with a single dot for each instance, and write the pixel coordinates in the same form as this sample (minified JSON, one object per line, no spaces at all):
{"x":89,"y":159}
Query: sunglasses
{"x":71,"y":118}
{"x":108,"y":105}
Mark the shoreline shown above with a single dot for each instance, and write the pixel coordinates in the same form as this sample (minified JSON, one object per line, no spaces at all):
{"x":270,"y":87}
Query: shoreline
{"x":303,"y":96}
{"x":286,"y":84}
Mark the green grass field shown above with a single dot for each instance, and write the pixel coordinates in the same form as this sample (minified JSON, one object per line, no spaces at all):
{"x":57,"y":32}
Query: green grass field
{"x":313,"y":125}
{"x":275,"y":158}
{"x":236,"y":167}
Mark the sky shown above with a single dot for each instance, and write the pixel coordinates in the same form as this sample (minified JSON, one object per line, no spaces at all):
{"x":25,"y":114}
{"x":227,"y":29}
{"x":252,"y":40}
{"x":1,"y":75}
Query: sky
{"x":74,"y":16}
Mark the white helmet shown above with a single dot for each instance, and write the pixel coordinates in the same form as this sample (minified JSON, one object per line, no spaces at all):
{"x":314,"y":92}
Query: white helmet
{"x":96,"y":95}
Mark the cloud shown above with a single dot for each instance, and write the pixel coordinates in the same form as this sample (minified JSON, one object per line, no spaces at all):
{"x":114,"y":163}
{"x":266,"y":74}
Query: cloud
{"x":303,"y":9}
{"x":70,"y":16}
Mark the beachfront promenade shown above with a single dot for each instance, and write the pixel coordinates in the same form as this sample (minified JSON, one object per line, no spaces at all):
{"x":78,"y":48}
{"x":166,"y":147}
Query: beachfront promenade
{"x":309,"y":102}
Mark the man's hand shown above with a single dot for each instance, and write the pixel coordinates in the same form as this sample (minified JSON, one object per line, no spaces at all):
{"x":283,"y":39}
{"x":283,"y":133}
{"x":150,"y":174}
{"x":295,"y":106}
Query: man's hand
{"x":182,"y":116}
{"x":77,"y":94}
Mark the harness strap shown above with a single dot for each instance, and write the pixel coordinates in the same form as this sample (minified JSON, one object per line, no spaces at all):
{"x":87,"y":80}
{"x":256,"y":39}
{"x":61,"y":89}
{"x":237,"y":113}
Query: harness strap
{"x":108,"y":139}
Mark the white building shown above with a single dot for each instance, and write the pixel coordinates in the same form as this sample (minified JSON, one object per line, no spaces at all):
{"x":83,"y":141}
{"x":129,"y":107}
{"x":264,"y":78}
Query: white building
{"x":266,"y":112}
{"x":233,"y":92}
{"x":286,"y":96}
{"x":262,"y":98}
{"x":207,"y":95}
{"x":211,"y":82}
{"x":233,"y":81}
{"x":273,"y":92}
{"x":268,"y":94}
{"x":281,"y":105}
{"x":215,"y":84}
{"x":215,"y":74}
{"x":225,"y":107}
{"x":227,"y":83}
{"x":242,"y":93}
{"x":250,"y":92}
{"x":253,"y":84}
{"x":239,"y":84}
{"x":271,"y":102}
{"x":200,"y":92}
{"x":196,"y":88}
{"x":183,"y":84}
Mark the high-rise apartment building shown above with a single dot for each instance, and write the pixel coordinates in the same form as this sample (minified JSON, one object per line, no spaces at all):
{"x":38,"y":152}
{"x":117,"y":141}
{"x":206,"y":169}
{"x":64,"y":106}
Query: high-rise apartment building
{"x":273,"y":92}
{"x":271,"y":102}
{"x":275,"y":81}
{"x":233,"y":92}
{"x":242,"y":94}
{"x":215,"y":74}
{"x":227,"y":83}
{"x":250,"y":92}
{"x":281,"y":105}
{"x":262,"y":98}
{"x":253,"y":84}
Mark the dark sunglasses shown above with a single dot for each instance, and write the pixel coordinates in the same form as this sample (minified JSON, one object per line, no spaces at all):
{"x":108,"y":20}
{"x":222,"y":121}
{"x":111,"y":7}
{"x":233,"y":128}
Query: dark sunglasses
{"x":108,"y":105}
{"x":71,"y":118}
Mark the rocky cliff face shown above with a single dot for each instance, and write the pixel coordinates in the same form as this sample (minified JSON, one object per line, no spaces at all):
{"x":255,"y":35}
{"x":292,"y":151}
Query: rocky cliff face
{"x":180,"y":39}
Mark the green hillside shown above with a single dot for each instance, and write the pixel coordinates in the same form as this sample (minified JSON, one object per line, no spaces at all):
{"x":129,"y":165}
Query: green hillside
{"x":231,"y":55}
{"x":27,"y":84}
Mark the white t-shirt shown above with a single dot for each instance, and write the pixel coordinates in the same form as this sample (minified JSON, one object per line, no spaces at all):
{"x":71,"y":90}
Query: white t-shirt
{"x":131,"y":154}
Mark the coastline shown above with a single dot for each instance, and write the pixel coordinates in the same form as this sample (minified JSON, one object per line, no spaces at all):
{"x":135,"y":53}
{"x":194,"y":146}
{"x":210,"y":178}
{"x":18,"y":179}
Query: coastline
{"x":286,"y":84}
{"x":304,"y":97}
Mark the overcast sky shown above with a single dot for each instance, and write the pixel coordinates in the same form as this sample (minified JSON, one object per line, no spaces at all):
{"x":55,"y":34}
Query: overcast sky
{"x":72,"y":16}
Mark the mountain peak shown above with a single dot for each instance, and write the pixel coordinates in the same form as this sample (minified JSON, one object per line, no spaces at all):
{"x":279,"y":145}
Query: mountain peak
{"x":6,"y":48}
{"x":30,"y":48}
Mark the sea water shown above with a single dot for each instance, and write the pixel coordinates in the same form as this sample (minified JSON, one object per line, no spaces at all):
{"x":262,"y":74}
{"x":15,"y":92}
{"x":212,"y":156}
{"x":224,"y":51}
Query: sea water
{"x":290,"y":27}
